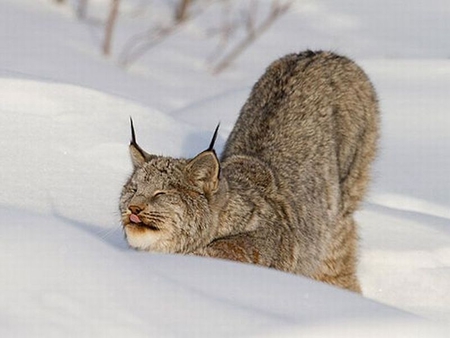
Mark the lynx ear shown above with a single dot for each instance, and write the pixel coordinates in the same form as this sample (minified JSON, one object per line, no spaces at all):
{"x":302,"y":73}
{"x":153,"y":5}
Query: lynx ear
{"x":138,"y":156}
{"x":203,"y":170}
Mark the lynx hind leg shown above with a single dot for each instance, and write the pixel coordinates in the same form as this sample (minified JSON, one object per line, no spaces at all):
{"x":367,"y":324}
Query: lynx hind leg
{"x":340,"y":266}
{"x":358,"y":146}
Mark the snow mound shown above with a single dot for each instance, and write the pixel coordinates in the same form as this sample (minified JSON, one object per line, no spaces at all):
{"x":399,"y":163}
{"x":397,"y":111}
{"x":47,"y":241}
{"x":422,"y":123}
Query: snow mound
{"x":63,"y":142}
{"x":65,"y":278}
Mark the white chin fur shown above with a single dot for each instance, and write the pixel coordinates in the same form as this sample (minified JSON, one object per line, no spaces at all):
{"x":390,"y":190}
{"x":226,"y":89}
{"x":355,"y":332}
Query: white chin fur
{"x":145,"y":240}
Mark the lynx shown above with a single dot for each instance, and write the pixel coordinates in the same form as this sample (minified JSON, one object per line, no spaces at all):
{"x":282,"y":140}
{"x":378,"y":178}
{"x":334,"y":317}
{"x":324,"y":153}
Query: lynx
{"x":283,"y":193}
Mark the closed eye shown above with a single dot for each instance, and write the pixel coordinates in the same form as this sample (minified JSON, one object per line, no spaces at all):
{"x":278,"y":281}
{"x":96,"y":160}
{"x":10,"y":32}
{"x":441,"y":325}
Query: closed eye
{"x":168,"y":196}
{"x":159,"y":193}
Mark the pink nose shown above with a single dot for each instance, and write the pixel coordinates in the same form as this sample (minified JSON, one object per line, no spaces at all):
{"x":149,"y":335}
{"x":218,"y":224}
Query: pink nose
{"x":136,"y":209}
{"x":135,"y":219}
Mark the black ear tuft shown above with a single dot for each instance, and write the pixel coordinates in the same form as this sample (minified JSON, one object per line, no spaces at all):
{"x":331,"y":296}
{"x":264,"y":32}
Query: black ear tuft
{"x":138,"y":155}
{"x":133,"y":135}
{"x":211,"y":145}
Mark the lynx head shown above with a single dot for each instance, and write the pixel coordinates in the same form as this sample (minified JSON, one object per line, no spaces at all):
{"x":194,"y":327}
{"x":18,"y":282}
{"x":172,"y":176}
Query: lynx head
{"x":169,"y":205}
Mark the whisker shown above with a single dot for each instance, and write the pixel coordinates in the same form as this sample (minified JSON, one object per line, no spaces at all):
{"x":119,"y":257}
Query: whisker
{"x":107,"y":233}
{"x":154,"y":217}
{"x":156,"y":220}
{"x":157,"y":212}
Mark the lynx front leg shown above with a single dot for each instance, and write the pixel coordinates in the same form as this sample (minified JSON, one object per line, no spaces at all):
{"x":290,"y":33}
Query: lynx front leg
{"x":241,"y":248}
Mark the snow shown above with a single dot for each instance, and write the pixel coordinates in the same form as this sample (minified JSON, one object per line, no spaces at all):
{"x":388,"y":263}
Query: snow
{"x":65,"y":269}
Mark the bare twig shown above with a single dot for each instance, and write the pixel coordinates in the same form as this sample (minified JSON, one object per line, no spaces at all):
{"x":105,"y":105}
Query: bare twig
{"x":276,"y":11}
{"x":82,"y":9}
{"x":250,"y":21}
{"x":225,"y":31}
{"x":181,"y":12}
{"x":109,"y":28}
{"x":141,"y":43}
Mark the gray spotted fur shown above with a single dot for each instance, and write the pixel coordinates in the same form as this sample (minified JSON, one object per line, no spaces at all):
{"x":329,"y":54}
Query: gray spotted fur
{"x":283,"y":194}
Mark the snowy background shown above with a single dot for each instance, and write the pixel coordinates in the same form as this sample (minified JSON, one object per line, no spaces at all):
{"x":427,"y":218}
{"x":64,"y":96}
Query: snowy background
{"x":65,"y":269}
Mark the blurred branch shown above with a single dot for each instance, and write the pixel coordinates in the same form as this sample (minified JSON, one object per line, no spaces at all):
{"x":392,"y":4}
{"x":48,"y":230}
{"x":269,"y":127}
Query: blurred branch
{"x":253,"y":32}
{"x":82,"y":9}
{"x":181,"y":12}
{"x":241,"y":24}
{"x":250,"y":20}
{"x":109,"y":28}
{"x":139,"y":44}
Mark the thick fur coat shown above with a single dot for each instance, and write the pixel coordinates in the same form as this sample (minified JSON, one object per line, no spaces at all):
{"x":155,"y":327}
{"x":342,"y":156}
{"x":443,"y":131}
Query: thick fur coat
{"x":293,"y":171}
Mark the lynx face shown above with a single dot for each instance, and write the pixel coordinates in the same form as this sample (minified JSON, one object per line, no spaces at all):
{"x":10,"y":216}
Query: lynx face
{"x":165,"y":205}
{"x":160,"y":210}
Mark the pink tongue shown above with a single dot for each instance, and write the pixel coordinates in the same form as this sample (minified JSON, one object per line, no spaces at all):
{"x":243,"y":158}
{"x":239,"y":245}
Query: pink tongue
{"x":135,"y":219}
